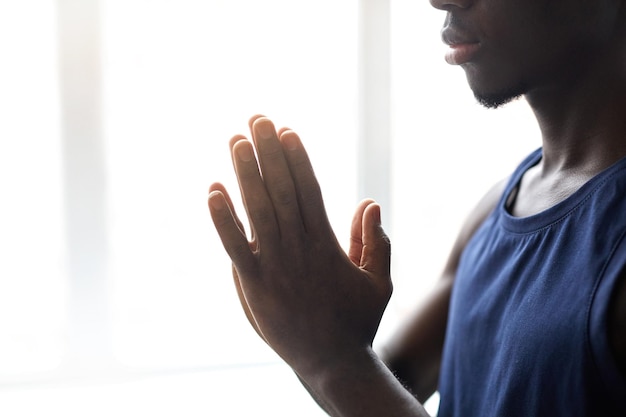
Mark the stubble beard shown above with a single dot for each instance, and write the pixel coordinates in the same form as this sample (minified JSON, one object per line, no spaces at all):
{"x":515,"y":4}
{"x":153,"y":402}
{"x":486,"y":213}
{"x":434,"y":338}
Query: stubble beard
{"x":499,"y":99}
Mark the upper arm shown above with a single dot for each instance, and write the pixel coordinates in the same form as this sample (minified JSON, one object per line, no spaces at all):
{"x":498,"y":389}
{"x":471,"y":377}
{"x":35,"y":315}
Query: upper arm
{"x":414,"y":353}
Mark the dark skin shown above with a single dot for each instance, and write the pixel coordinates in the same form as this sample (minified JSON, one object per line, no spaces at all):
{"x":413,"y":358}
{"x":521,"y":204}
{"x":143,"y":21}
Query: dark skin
{"x":318,"y":307}
{"x":579,"y":101}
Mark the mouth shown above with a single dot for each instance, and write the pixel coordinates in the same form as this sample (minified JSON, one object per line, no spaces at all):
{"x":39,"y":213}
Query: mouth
{"x":462,"y":53}
{"x":462,"y":48}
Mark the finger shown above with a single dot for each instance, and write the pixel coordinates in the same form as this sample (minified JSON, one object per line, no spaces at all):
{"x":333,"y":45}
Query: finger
{"x":232,"y":142}
{"x":282,"y":130}
{"x":252,"y":120}
{"x":219,"y":187}
{"x":231,"y":145}
{"x":256,"y":200}
{"x":277,"y":177}
{"x":376,"y":256}
{"x":356,"y":232}
{"x":233,"y":240}
{"x":244,"y":304}
{"x":309,"y":195}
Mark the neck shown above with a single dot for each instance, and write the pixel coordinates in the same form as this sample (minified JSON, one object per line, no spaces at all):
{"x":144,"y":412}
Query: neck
{"x":582,"y":119}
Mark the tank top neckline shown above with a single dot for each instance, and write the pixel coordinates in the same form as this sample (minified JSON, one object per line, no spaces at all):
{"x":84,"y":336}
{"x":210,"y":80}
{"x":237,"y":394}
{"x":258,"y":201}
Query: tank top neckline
{"x":556,"y":213}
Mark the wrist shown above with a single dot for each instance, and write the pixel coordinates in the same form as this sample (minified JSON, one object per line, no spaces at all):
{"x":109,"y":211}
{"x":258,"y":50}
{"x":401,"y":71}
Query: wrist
{"x":340,"y":379}
{"x":362,"y":385}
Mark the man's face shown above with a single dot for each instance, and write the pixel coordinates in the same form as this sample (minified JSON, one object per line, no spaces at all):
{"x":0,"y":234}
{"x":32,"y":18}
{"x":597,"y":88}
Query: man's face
{"x":512,"y":47}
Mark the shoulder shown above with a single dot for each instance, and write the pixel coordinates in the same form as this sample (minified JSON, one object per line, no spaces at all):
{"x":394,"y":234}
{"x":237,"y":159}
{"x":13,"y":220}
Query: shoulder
{"x":485,"y":206}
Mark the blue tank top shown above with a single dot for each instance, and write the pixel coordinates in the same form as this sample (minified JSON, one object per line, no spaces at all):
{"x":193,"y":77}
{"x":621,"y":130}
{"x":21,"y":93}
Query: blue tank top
{"x":527,"y":328}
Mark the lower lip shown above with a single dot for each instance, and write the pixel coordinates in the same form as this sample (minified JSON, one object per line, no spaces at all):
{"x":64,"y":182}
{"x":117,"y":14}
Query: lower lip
{"x":462,"y":53}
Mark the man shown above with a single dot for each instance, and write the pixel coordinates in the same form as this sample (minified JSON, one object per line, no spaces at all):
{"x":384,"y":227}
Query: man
{"x":529,"y":317}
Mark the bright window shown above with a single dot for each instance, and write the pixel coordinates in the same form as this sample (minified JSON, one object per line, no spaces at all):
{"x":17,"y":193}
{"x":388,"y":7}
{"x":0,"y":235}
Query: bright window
{"x":115,"y":289}
{"x":180,"y":78}
{"x":32,"y":273}
{"x":114,"y":119}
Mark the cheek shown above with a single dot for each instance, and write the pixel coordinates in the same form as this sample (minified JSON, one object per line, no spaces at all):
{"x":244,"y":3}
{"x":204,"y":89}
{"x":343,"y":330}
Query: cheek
{"x":533,"y":42}
{"x":487,"y":79}
{"x":525,"y":41}
{"x":509,"y":49}
{"x":512,"y":31}
{"x":582,"y":24}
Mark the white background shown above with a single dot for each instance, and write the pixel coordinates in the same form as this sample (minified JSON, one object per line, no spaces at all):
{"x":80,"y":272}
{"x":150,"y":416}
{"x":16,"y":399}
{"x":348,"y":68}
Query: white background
{"x":157,"y":329}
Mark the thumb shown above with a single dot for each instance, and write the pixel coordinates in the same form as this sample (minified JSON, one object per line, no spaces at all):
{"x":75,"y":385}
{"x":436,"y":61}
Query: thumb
{"x":376,"y":255}
{"x":355,"y":251}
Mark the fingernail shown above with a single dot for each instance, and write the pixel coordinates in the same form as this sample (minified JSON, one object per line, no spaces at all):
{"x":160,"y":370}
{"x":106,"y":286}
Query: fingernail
{"x":290,"y":140}
{"x":216,"y":201}
{"x":377,"y":212}
{"x":264,"y":129}
{"x":243,"y":152}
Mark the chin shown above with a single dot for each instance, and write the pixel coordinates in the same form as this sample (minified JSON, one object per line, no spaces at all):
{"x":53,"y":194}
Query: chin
{"x":493,"y":101}
{"x":495,"y":98}
{"x":493,"y":90}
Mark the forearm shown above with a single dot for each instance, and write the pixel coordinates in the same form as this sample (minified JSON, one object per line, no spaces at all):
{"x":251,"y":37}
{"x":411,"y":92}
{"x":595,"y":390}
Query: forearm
{"x":322,"y":404}
{"x":414,"y":353}
{"x":363,"y":387}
